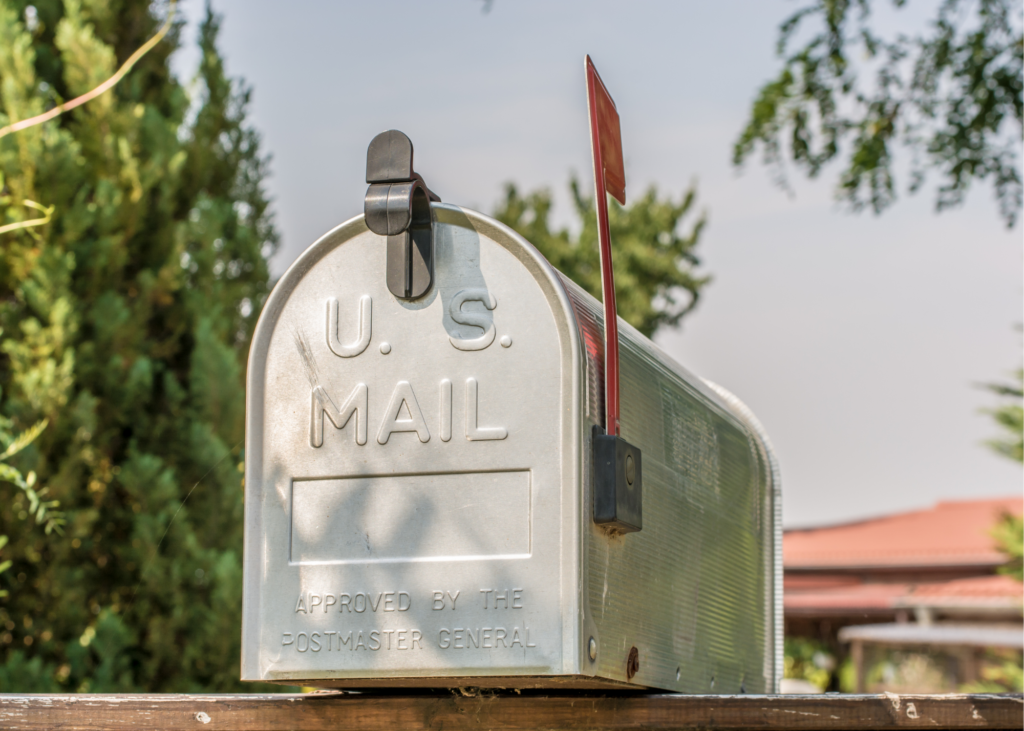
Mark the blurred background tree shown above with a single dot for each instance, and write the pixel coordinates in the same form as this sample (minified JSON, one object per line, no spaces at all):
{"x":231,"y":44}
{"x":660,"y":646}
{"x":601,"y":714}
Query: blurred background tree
{"x":809,"y":660}
{"x":1010,"y":417}
{"x":951,"y":95}
{"x":1009,"y":532}
{"x":1002,"y":670}
{"x":656,"y":283}
{"x":126,"y":319}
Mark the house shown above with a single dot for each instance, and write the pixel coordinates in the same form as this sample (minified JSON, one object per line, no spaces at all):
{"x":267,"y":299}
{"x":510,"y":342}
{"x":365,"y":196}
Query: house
{"x":926,"y":578}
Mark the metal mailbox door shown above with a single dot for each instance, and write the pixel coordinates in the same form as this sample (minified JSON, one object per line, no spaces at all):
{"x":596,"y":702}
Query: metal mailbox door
{"x":406,"y":465}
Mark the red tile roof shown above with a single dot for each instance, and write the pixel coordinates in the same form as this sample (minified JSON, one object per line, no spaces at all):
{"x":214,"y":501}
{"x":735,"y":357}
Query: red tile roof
{"x":855,"y":597}
{"x":977,"y":589}
{"x":953,"y":533}
{"x":977,"y":592}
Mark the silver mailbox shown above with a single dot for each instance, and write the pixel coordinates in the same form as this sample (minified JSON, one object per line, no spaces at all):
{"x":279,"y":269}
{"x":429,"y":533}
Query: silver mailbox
{"x":418,"y":486}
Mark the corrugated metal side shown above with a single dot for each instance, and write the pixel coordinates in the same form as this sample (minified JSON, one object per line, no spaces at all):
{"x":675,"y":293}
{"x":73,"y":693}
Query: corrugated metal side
{"x":775,"y":659}
{"x":693,"y":591}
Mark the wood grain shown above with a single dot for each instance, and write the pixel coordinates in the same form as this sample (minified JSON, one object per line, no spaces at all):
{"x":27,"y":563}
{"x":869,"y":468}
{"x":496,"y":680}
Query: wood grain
{"x":504,"y":712}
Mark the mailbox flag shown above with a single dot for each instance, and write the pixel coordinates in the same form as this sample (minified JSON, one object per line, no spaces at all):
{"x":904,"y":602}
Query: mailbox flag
{"x":609,"y":177}
{"x":609,"y":138}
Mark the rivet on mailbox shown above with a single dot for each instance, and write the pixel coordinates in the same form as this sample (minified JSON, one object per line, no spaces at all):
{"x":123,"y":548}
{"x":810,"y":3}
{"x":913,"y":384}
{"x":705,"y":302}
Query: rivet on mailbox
{"x":458,"y":505}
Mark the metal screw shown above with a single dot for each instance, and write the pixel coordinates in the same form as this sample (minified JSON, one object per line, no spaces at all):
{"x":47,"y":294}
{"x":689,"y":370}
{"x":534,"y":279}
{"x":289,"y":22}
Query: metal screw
{"x":632,"y":662}
{"x":592,"y":649}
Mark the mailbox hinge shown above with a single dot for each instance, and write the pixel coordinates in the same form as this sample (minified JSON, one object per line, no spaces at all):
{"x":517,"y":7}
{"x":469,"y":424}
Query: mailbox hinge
{"x":397,"y":205}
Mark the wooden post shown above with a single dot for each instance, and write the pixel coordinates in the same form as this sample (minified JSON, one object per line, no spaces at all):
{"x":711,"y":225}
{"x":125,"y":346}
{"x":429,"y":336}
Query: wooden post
{"x":968,"y":661}
{"x":860,"y":673}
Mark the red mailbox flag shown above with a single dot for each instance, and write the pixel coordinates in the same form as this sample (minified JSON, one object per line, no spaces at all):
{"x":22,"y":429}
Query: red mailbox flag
{"x":610,"y":177}
{"x":604,"y":126}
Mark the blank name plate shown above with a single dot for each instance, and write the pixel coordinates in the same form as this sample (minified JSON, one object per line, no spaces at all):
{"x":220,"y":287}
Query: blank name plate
{"x":411,"y":518}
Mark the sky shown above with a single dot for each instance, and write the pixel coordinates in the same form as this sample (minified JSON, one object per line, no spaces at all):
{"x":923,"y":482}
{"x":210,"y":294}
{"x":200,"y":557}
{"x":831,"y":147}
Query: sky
{"x":857,"y":340}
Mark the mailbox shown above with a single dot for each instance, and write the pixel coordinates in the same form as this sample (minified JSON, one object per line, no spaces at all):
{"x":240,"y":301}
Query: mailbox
{"x":425,"y":392}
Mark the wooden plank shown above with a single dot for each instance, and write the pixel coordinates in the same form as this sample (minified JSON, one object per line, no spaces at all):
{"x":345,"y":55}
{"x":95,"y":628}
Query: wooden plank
{"x":504,"y":712}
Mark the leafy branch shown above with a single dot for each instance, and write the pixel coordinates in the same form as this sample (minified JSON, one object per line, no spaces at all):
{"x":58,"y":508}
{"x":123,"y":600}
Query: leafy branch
{"x":1009,"y":536}
{"x":1010,"y":416}
{"x":47,"y":212}
{"x":951,"y":96}
{"x":44,"y":511}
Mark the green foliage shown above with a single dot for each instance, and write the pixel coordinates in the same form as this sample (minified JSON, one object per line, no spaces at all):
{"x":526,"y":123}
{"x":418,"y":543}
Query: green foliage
{"x":1001,"y":672}
{"x":808,"y":660}
{"x":655,"y":280}
{"x":1010,"y":416}
{"x":127,"y":318}
{"x":43,"y":511}
{"x":951,"y":95}
{"x":847,"y":676}
{"x":1009,"y":531}
{"x":1009,"y":536}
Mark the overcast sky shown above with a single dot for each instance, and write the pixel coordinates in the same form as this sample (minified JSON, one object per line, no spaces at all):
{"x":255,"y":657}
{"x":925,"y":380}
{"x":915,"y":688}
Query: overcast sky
{"x":856,"y":340}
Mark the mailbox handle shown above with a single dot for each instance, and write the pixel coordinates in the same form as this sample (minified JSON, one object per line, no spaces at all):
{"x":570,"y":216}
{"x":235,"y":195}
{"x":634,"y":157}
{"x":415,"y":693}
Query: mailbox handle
{"x":397,"y":205}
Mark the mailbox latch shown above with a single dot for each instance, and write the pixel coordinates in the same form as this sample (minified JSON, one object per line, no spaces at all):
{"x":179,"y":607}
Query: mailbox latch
{"x":397,"y":205}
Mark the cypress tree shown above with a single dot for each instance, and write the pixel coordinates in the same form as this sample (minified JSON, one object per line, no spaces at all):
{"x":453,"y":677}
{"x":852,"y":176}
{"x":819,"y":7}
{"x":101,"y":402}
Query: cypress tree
{"x":126,"y":318}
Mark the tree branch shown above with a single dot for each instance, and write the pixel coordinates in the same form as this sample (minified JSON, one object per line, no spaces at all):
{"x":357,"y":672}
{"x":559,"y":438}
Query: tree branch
{"x":90,"y":95}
